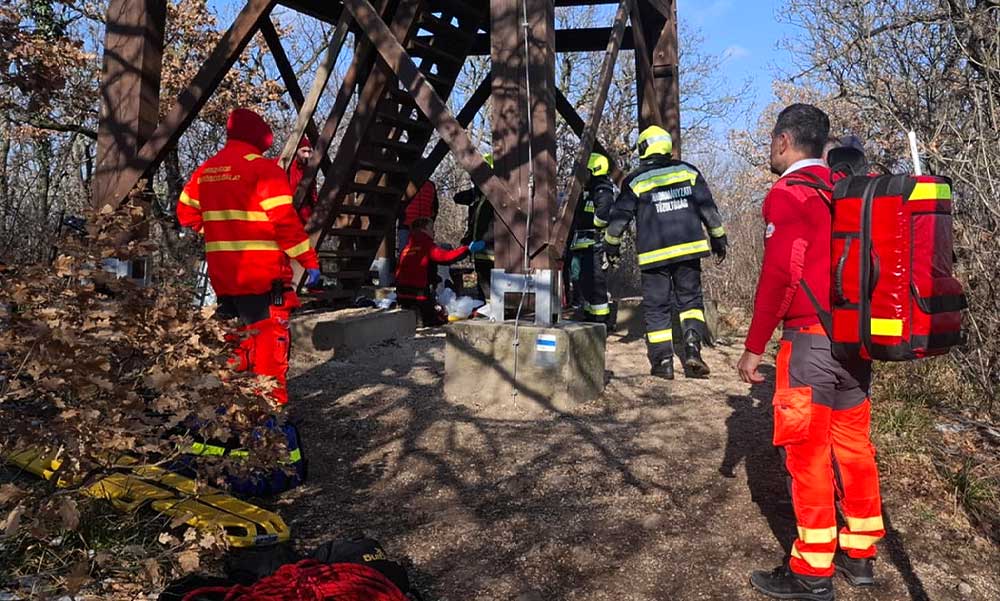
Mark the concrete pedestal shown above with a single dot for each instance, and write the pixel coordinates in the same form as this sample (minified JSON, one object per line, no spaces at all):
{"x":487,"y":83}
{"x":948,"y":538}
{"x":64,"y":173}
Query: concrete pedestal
{"x":343,"y":332}
{"x":558,"y":367}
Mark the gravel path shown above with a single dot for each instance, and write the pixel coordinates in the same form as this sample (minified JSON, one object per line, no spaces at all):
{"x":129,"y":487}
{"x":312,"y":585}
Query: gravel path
{"x":657,"y":491}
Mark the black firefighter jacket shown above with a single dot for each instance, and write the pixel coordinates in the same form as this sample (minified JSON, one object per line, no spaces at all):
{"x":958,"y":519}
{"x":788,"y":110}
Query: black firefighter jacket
{"x":479,"y":225}
{"x":592,"y":212}
{"x":670,"y":201}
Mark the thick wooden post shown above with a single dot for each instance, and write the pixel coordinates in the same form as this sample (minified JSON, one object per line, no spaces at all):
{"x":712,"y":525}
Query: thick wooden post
{"x":524,"y":152}
{"x":130,"y":87}
{"x":659,"y":30}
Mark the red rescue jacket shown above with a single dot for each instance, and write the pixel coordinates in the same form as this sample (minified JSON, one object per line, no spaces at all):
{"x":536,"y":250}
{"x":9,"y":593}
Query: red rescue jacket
{"x":796,"y":248}
{"x":295,"y":173}
{"x":417,"y":260}
{"x":242,"y":203}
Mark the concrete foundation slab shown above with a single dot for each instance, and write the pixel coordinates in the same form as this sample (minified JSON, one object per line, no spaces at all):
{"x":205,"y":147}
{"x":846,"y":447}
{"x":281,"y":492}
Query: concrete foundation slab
{"x":342,"y":332}
{"x":558,"y":367}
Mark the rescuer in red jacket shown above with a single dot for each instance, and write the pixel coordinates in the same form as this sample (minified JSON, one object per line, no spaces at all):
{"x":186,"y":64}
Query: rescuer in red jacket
{"x":242,"y":204}
{"x":415,"y":275}
{"x":822,"y":410}
{"x":296,"y":170}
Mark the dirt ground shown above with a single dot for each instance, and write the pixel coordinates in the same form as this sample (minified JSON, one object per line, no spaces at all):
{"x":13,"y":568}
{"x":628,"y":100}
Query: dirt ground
{"x":656,"y":491}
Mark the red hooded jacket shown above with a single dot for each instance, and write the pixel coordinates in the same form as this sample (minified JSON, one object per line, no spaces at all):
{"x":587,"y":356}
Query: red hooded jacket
{"x":417,"y":259}
{"x":796,"y":248}
{"x":242,"y":203}
{"x":295,"y":173}
{"x":424,"y":204}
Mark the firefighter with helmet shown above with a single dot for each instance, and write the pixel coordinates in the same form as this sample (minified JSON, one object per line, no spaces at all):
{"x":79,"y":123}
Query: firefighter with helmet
{"x":479,"y":227}
{"x":242,"y":204}
{"x":587,"y":243}
{"x":672,"y":206}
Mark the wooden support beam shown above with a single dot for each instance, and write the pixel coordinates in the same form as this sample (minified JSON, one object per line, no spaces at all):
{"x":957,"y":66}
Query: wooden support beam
{"x":130,"y":88}
{"x":190,"y":101}
{"x":523,"y":119}
{"x":649,"y":108}
{"x":304,"y":120}
{"x":425,"y":168}
{"x":576,"y":123}
{"x":287,"y":73}
{"x":432,"y":106}
{"x":589,"y":135}
{"x":659,"y":18}
{"x":586,"y":39}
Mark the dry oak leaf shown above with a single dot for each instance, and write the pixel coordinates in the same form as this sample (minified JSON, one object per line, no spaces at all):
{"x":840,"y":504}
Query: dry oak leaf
{"x":9,"y":492}
{"x":12,"y":522}
{"x":152,"y":569}
{"x":188,"y":560}
{"x":69,"y":514}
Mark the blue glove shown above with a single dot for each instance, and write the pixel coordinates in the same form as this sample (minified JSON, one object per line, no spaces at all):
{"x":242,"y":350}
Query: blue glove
{"x":477,"y":246}
{"x":313,"y":277}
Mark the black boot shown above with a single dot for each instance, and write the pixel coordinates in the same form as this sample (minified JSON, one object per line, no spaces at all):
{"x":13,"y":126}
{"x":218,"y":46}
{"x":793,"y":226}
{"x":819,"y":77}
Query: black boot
{"x":782,"y":583}
{"x":664,"y":369}
{"x":859,"y":572}
{"x":694,"y":366}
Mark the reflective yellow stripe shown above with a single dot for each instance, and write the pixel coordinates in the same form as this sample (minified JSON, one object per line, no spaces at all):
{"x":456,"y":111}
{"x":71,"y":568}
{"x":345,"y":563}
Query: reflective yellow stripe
{"x":672,"y":252}
{"x":660,"y":336}
{"x":865,"y":524}
{"x":234,"y":215}
{"x":613,"y":240}
{"x":817,"y":536}
{"x":295,"y":455}
{"x":604,"y":309}
{"x":582,"y":244}
{"x":599,"y":223}
{"x":647,"y":182}
{"x":929,"y":191}
{"x":191,"y":202}
{"x":588,"y":208}
{"x":717,"y":232}
{"x":241,"y":453}
{"x":275,"y":201}
{"x":820,"y":561}
{"x":886,"y":327}
{"x":209,"y":450}
{"x":228,"y":245}
{"x":485,"y":256}
{"x":252,"y":157}
{"x":697,"y":314}
{"x":858,"y":541}
{"x":298,"y":249}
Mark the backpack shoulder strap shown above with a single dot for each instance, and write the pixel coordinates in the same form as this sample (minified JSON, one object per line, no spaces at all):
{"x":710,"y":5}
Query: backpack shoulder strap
{"x":815,"y":182}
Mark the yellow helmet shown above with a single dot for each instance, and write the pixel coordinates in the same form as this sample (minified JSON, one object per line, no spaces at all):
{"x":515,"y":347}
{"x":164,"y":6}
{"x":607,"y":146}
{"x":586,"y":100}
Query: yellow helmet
{"x":598,"y":164}
{"x":488,"y":157}
{"x":654,"y":140}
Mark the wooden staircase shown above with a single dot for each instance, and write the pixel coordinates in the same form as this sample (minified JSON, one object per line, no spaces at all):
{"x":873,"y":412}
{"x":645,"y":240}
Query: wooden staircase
{"x":380,"y":148}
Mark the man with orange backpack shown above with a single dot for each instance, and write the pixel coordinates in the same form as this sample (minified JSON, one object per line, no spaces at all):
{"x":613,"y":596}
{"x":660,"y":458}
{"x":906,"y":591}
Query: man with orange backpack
{"x":822,"y":411}
{"x":242,"y":204}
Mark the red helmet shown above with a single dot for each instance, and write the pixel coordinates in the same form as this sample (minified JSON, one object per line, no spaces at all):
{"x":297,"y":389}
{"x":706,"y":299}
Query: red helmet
{"x":247,"y":126}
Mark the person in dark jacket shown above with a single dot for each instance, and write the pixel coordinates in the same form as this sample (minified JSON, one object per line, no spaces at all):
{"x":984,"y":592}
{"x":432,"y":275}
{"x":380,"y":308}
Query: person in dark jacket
{"x":672,"y":206}
{"x":587,"y":243}
{"x":417,"y":270}
{"x":479,"y":226}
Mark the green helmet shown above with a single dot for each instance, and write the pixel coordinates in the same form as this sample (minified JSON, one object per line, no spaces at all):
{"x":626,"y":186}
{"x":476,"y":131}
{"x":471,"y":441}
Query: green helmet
{"x":598,"y":164}
{"x":654,"y":140}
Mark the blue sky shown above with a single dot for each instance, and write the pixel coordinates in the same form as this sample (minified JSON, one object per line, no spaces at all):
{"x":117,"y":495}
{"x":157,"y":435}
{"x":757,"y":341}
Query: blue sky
{"x":747,"y":33}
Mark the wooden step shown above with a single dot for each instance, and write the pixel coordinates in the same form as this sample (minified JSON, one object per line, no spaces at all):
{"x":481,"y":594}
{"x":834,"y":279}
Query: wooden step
{"x":441,"y":84}
{"x":374,"y":189}
{"x":401,"y":96}
{"x":420,"y":46}
{"x":335,"y":255}
{"x":350,"y":232}
{"x":404,"y":122}
{"x":459,"y":8}
{"x":382,"y":166}
{"x":367,"y":210}
{"x":400,"y":147}
{"x":347,"y":275}
{"x":445,"y":29}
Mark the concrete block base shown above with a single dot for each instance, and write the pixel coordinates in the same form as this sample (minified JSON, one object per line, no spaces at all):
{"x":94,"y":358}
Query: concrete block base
{"x":342,"y":332}
{"x":558,"y":367}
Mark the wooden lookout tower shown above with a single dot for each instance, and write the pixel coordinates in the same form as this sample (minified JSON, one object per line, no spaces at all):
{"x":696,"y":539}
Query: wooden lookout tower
{"x":408,"y":56}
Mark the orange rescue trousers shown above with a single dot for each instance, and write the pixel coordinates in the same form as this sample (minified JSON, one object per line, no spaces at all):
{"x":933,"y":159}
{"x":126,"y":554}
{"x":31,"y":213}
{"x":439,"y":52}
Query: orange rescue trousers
{"x":822,"y":418}
{"x":264,"y":338}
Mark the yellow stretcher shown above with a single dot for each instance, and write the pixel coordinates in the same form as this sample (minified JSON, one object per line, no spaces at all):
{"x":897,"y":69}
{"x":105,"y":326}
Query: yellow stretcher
{"x":133,"y":485}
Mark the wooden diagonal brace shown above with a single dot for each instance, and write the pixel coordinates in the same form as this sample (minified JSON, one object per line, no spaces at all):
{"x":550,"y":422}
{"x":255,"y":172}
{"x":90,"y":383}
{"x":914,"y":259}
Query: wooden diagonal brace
{"x":434,"y":108}
{"x":577,"y":124}
{"x":294,"y":91}
{"x":192,"y":99}
{"x":304,"y":121}
{"x":428,"y":164}
{"x":644,"y":66}
{"x":589,"y":135}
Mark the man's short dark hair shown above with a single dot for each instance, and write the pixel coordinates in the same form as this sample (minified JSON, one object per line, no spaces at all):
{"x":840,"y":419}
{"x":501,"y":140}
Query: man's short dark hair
{"x":808,"y":126}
